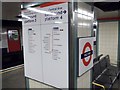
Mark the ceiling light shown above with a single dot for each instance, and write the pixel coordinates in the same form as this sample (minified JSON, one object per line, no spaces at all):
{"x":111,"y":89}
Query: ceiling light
{"x":31,"y":5}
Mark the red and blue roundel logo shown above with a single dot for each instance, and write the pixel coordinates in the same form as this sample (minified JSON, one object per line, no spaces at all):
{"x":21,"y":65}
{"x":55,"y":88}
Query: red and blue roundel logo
{"x":86,"y":54}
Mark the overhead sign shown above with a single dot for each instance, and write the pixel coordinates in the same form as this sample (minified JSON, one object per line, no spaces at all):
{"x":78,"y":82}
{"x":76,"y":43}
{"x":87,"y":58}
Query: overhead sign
{"x":30,"y":17}
{"x":85,"y":54}
{"x":56,"y":14}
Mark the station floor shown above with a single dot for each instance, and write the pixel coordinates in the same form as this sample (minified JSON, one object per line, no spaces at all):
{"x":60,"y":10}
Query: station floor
{"x":15,"y":79}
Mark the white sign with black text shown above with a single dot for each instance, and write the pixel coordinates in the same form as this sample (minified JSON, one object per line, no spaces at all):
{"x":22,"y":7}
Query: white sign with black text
{"x":45,"y":41}
{"x":56,"y":14}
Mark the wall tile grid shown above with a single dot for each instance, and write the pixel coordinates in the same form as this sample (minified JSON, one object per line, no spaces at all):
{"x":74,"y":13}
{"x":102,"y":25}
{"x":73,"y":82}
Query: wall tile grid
{"x":108,"y":40}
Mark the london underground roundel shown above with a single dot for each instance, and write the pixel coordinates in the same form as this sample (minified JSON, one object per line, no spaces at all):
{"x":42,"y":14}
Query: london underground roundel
{"x":85,"y":54}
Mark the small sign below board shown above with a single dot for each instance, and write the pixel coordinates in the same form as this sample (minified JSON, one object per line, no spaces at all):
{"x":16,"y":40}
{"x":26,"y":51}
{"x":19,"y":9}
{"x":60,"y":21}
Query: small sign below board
{"x":85,"y":54}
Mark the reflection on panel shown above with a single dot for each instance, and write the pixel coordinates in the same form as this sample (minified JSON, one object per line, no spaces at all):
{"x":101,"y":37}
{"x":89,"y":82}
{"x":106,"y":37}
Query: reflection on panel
{"x":85,"y":17}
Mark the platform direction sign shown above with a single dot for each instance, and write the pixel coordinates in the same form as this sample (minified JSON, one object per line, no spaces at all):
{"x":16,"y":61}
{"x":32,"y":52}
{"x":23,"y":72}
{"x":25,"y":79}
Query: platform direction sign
{"x":85,"y":54}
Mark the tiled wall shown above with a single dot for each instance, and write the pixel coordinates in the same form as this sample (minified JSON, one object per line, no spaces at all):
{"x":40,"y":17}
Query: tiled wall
{"x":108,"y":39}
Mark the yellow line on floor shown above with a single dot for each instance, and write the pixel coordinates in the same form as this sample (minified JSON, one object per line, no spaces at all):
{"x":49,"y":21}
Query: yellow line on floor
{"x":11,"y":69}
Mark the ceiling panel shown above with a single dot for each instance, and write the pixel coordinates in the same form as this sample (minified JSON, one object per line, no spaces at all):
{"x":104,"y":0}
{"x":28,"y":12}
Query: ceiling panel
{"x":108,"y":6}
{"x":101,"y":14}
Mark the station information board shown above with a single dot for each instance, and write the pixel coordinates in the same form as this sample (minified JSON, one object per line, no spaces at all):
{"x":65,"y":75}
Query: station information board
{"x":45,"y":41}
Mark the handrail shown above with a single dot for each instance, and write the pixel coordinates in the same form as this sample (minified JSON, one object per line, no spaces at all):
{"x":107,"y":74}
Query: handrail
{"x":98,"y":85}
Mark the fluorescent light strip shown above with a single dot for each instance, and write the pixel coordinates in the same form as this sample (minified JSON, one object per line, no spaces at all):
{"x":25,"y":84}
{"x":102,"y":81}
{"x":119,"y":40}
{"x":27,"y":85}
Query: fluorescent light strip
{"x":84,"y":17}
{"x":31,"y":5}
{"x":83,"y":24}
{"x":83,"y":12}
{"x":24,"y":16}
{"x":41,"y":11}
{"x":58,"y":22}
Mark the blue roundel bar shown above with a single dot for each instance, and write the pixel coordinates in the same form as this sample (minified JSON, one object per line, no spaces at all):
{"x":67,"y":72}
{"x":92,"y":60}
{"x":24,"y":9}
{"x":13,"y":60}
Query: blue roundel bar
{"x":86,"y":54}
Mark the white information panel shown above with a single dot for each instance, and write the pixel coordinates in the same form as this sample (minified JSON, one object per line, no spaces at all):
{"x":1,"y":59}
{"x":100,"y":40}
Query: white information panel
{"x":55,"y":54}
{"x":85,"y":54}
{"x":55,"y":45}
{"x":32,"y":52}
{"x":45,"y":44}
